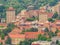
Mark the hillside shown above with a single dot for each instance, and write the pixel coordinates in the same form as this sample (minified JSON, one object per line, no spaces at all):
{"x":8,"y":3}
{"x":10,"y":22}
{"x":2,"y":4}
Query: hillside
{"x":23,"y":4}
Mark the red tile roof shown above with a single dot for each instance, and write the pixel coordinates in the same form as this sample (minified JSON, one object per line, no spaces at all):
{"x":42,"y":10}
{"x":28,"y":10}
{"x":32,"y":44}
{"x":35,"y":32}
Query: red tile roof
{"x":0,"y":40}
{"x":11,"y":9}
{"x":32,"y":35}
{"x":52,"y":24}
{"x":50,"y":15}
{"x":57,"y":20}
{"x":35,"y":44}
{"x":17,"y":36}
{"x":3,"y":24}
{"x":58,"y":34}
{"x":36,"y":13}
{"x":15,"y":31}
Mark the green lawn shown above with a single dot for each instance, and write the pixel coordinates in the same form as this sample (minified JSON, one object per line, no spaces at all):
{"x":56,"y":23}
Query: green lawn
{"x":1,"y":26}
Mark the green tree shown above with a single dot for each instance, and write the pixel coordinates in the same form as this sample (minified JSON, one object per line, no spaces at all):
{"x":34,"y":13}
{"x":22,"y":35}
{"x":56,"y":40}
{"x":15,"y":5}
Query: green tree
{"x":2,"y":35}
{"x":43,"y":38}
{"x":30,"y":30}
{"x":48,"y":39}
{"x":6,"y":31}
{"x":30,"y":19}
{"x":57,"y":42}
{"x":9,"y":28}
{"x":51,"y":20}
{"x":51,"y":34}
{"x":11,"y":25}
{"x":56,"y":31}
{"x":23,"y":4}
{"x":53,"y":3}
{"x":8,"y":41}
{"x":0,"y":32}
{"x":2,"y":11}
{"x":0,"y":44}
{"x":46,"y":30}
{"x":2,"y":8}
{"x":26,"y":42}
{"x":55,"y":15}
{"x":33,"y":30}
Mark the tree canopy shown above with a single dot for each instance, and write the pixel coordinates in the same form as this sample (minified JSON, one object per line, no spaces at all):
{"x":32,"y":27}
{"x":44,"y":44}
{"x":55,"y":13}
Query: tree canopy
{"x":23,"y":4}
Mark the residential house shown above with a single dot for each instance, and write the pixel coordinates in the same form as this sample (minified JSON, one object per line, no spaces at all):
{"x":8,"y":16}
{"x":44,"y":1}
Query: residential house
{"x":3,"y":26}
{"x":16,"y":38}
{"x":32,"y":35}
{"x":43,"y":16}
{"x":41,"y":43}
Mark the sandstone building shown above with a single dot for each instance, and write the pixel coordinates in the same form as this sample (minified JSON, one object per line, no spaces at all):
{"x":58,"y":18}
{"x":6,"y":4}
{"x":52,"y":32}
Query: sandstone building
{"x":10,"y":15}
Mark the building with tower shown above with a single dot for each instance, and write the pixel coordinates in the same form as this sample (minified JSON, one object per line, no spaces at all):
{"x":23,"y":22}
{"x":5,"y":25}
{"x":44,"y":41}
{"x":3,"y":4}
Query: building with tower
{"x":43,"y":15}
{"x":10,"y":15}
